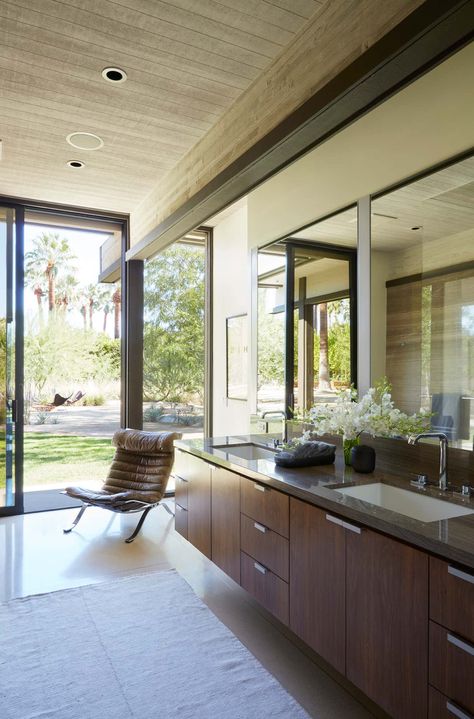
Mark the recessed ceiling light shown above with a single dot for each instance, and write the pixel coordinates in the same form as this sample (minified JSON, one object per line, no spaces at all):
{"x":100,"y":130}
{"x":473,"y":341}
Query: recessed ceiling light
{"x":85,"y":141}
{"x":75,"y":163}
{"x":114,"y":74}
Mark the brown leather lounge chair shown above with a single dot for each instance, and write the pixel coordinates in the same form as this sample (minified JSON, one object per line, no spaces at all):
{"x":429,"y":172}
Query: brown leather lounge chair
{"x":137,"y":478}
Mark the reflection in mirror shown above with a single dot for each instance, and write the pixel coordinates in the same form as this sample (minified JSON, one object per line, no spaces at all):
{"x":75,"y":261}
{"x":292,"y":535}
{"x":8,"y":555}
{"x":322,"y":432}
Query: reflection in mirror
{"x":423,"y":298}
{"x":322,"y":326}
{"x":271,"y":331}
{"x":323,"y":273}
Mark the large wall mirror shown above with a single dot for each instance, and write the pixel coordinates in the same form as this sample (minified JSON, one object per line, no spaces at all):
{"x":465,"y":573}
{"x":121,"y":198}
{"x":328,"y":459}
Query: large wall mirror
{"x":423,"y":298}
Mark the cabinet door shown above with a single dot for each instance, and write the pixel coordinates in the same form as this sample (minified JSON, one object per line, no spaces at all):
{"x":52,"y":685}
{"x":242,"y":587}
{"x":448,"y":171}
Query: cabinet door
{"x":225,"y":529}
{"x":317,"y":581}
{"x":199,"y":504}
{"x":387,"y":622}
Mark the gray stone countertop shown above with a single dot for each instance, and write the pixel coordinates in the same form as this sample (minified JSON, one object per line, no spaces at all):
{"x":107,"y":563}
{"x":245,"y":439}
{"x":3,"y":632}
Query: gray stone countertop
{"x":450,"y":539}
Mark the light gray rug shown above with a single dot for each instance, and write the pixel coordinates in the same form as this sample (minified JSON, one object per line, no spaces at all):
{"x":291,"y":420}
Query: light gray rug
{"x":143,"y":647}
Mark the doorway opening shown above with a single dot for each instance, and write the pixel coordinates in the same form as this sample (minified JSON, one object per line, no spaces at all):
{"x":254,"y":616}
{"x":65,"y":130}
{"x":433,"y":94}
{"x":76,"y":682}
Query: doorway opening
{"x":72,"y":359}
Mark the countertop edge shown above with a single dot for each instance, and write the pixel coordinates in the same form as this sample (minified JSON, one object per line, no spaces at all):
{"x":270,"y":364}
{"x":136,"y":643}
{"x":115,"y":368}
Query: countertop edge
{"x":410,"y":536}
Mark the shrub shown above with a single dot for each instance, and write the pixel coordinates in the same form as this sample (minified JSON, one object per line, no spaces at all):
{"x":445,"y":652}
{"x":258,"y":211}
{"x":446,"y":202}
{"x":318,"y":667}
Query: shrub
{"x":153,"y":413}
{"x":93,"y":400}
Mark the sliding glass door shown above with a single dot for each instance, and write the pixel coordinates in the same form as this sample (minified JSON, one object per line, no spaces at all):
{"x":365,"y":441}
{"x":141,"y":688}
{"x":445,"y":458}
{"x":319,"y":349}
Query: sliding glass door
{"x":11,"y":359}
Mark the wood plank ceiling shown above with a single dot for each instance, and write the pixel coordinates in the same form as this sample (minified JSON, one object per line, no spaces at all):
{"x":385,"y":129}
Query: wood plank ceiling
{"x":187,"y":61}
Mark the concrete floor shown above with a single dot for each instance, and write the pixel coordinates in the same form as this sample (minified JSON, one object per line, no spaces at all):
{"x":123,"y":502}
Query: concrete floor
{"x":36,"y":557}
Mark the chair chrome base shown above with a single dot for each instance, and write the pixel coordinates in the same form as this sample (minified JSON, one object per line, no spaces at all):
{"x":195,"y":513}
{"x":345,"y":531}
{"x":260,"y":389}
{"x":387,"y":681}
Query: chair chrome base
{"x":77,"y":520}
{"x":137,"y":528}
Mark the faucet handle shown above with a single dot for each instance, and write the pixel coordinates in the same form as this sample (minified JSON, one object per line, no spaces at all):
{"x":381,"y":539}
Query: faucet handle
{"x":420,"y":481}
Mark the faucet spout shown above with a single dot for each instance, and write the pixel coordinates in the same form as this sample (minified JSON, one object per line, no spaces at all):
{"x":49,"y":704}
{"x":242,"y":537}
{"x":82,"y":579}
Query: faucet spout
{"x":443,"y":454}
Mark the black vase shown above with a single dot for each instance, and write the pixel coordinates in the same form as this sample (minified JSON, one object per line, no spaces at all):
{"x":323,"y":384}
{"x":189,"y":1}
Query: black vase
{"x":363,"y":459}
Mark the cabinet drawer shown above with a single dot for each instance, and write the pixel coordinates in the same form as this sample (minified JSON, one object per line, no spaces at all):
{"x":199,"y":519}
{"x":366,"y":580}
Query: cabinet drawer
{"x":265,"y":505}
{"x":265,"y":586}
{"x":181,"y":491}
{"x":452,"y":666}
{"x":181,"y":520}
{"x":440,"y":707}
{"x":452,"y":597}
{"x":265,"y":545}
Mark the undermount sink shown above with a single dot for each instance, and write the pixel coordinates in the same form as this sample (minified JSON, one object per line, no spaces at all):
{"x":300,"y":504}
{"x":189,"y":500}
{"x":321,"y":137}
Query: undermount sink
{"x":246,"y":450}
{"x":411,"y":504}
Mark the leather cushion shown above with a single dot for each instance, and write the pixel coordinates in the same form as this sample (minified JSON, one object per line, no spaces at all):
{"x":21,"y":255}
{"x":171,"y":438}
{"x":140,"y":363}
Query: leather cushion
{"x":135,"y":440}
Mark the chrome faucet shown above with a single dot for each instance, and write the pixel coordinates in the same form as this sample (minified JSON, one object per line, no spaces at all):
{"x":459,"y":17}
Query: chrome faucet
{"x":443,"y":451}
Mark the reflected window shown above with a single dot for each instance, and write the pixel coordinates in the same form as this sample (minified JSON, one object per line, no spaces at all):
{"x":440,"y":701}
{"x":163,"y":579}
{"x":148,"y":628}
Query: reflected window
{"x":318,"y":358}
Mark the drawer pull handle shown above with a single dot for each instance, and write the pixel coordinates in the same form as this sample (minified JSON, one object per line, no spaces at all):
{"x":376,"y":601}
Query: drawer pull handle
{"x":457,"y":711}
{"x":460,"y":574}
{"x":335,"y":520}
{"x":260,"y":527}
{"x":452,"y":639}
{"x":259,"y":488}
{"x":351,"y":527}
{"x":260,"y":568}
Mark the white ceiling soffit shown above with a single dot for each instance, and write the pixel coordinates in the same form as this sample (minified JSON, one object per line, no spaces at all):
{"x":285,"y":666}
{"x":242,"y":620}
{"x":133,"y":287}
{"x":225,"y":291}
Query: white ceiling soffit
{"x":186,"y":62}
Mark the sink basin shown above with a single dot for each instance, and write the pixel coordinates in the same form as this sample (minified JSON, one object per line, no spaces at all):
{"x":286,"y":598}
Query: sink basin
{"x":246,"y":450}
{"x":411,"y":504}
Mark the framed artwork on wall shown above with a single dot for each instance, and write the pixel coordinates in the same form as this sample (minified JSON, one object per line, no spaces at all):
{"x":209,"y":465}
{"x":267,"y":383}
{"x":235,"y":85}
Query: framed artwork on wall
{"x":237,"y":356}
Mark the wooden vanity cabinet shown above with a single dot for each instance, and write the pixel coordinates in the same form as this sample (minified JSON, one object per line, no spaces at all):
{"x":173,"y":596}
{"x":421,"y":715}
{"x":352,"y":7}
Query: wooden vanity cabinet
{"x":396,"y":622}
{"x":360,"y":600}
{"x":196,"y":474}
{"x":225,"y":530}
{"x":387,"y":622}
{"x":318,"y":582}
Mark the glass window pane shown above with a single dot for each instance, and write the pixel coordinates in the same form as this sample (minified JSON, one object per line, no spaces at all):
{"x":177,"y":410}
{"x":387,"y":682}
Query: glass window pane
{"x":174,"y":340}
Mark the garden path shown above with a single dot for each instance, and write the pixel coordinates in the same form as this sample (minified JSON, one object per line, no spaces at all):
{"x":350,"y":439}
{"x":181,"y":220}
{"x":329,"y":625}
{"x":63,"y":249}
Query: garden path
{"x":100,"y":421}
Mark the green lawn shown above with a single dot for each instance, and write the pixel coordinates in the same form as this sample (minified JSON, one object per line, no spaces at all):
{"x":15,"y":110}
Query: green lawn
{"x":63,"y":460}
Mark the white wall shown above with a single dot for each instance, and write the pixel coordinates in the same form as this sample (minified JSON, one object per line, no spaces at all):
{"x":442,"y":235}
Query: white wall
{"x":426,"y":123}
{"x":231,"y":286}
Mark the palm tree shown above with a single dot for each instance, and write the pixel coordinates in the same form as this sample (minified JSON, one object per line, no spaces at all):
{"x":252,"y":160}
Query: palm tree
{"x":117,"y":299}
{"x":93,"y":295}
{"x":34,"y":277}
{"x":50,"y":253}
{"x":82,"y":304}
{"x":66,"y":291}
{"x":323,"y":347}
{"x":106,"y":304}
